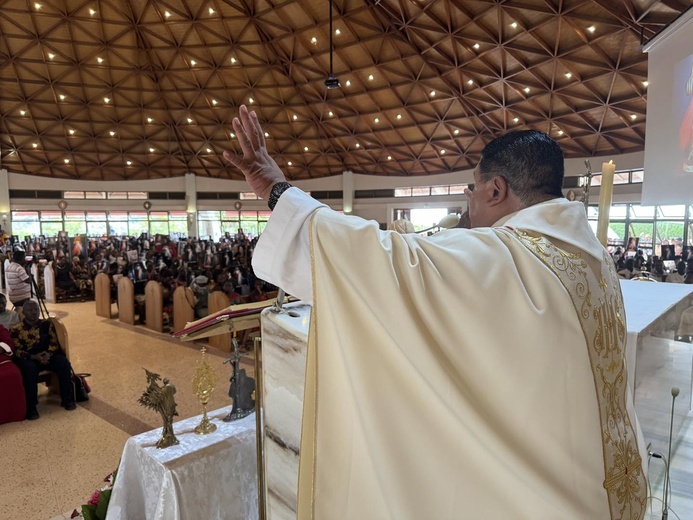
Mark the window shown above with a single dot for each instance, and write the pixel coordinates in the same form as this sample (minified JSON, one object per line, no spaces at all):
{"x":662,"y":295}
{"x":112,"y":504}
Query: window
{"x":249,"y":195}
{"x":637,"y":176}
{"x":420,"y":192}
{"x":440,"y":190}
{"x":117,"y":195}
{"x":73,"y":194}
{"x":402,"y":192}
{"x":95,"y":194}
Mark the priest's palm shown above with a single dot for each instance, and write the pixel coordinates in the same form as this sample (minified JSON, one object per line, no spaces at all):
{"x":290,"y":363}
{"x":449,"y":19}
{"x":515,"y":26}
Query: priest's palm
{"x":259,"y":169}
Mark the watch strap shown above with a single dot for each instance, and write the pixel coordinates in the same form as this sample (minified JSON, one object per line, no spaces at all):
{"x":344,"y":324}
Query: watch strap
{"x":277,"y":190}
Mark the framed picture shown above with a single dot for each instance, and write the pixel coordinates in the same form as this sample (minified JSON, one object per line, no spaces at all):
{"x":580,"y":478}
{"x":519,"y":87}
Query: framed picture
{"x":633,"y":243}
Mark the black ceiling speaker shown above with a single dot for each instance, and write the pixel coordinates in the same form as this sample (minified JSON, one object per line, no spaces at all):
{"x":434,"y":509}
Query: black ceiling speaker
{"x":331,"y":82}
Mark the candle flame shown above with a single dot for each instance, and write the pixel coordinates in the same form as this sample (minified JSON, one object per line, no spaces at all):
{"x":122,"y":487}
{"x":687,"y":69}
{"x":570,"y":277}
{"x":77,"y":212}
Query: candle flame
{"x":611,"y":161}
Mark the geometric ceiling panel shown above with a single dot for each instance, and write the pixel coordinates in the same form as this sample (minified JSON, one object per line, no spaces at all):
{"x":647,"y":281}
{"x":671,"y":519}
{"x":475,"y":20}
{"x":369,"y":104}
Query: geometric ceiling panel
{"x":124,"y":89}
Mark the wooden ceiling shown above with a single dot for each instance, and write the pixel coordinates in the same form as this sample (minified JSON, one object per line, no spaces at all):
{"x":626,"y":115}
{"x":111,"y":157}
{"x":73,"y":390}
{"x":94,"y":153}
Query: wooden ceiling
{"x":139,"y":89}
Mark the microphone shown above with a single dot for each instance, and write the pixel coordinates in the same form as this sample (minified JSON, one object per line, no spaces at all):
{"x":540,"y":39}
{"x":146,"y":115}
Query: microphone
{"x":675,"y":391}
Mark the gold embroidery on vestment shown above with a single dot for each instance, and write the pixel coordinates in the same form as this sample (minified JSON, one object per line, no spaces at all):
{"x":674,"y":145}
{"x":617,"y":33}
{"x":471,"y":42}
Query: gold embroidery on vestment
{"x":600,"y":309}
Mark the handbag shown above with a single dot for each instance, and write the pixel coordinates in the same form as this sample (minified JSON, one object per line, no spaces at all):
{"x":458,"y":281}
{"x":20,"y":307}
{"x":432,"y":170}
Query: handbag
{"x":82,"y":388}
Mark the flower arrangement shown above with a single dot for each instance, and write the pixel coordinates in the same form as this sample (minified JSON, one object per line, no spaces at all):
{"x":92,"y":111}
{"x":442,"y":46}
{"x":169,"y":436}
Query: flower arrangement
{"x":96,"y":507}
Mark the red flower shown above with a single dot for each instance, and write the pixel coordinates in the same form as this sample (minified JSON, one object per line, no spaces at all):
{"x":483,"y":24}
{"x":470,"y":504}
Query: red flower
{"x":94,"y":500}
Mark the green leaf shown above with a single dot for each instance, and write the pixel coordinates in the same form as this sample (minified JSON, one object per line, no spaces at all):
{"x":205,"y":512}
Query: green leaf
{"x":89,"y":512}
{"x":102,"y":506}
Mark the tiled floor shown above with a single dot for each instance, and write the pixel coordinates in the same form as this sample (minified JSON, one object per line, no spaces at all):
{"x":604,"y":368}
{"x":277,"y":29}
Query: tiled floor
{"x":50,"y":466}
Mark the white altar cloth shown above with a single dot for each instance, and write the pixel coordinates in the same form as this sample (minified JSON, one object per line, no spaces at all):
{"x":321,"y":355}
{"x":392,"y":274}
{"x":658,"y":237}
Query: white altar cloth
{"x":210,"y":476}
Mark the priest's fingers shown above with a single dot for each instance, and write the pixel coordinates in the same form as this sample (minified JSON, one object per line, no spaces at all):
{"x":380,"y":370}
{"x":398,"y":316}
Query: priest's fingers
{"x":232,"y":159}
{"x":257,"y":128}
{"x":249,"y":127}
{"x":243,"y":139}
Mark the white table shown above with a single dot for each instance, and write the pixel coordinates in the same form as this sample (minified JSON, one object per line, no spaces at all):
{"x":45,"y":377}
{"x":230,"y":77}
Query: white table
{"x":210,"y":476}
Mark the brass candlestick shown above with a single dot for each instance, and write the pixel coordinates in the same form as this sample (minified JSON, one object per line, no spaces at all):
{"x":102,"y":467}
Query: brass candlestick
{"x":204,"y":382}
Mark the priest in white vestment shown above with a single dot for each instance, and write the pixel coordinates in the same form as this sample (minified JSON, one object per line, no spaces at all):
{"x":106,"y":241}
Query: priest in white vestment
{"x":475,"y":374}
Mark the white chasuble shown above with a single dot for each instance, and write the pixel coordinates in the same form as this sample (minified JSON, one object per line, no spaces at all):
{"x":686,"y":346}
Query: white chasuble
{"x":473,"y":374}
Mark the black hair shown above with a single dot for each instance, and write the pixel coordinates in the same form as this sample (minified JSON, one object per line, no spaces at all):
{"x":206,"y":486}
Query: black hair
{"x":18,"y":256}
{"x":530,"y":162}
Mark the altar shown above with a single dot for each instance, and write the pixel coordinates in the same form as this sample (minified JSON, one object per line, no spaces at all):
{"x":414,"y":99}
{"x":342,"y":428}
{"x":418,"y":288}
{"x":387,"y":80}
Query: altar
{"x":205,"y":476}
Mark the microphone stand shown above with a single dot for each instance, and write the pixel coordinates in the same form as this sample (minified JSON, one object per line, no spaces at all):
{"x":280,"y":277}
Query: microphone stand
{"x":665,"y":508}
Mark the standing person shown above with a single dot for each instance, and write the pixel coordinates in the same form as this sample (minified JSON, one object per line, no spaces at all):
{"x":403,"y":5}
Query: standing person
{"x":36,"y":348}
{"x":473,"y":374}
{"x":18,"y":280}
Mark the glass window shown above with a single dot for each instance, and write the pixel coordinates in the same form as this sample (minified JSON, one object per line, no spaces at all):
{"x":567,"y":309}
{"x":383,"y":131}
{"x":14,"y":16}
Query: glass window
{"x":95,"y":194}
{"x":73,"y":194}
{"x":621,"y":178}
{"x":248,"y":215}
{"x":118,"y":195}
{"x":402,"y":192}
{"x":158,"y":215}
{"x":50,"y":229}
{"x":74,"y":215}
{"x":263,"y":215}
{"x":138,"y":195}
{"x":207,"y":215}
{"x":671,"y":211}
{"x":96,"y":229}
{"x":138,"y":215}
{"x":118,"y":228}
{"x":96,"y":215}
{"x":24,"y":227}
{"x":76,"y":227}
{"x":638,"y":212}
{"x":178,"y":215}
{"x":138,"y":226}
{"x":178,"y":228}
{"x":229,"y":215}
{"x":593,"y":212}
{"x":618,"y":211}
{"x":121,"y":216}
{"x":670,"y":233}
{"x":636,"y":176}
{"x":596,"y":180}
{"x":24,"y":216}
{"x":158,"y":227}
{"x":209,"y":228}
{"x":440,"y":190}
{"x":644,"y":231}
{"x":51,"y":216}
{"x":248,"y":195}
{"x":421,"y":192}
{"x":457,"y":189}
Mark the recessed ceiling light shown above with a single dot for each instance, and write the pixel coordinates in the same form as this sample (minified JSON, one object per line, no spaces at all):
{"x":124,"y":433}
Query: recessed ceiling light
{"x":294,"y":117}
{"x":151,"y":150}
{"x":389,"y":157}
{"x":442,"y":152}
{"x":22,"y":112}
{"x":209,"y":150}
{"x":34,"y":145}
{"x":399,"y":116}
{"x":37,"y":6}
{"x":457,"y":131}
{"x":371,"y":77}
{"x":433,"y":93}
{"x":290,"y":163}
{"x":516,"y":119}
{"x":330,"y":113}
{"x":313,"y":40}
{"x":167,"y":14}
{"x":337,"y":32}
{"x":99,"y":59}
{"x":568,"y":75}
{"x":513,"y":25}
{"x":214,"y":102}
{"x":348,"y":83}
{"x":477,"y":46}
{"x":470,"y":82}
{"x":251,"y":100}
{"x":266,"y":134}
{"x":72,"y":132}
{"x":149,"y":120}
{"x":112,"y":133}
{"x":193,"y":62}
{"x":560,"y":132}
{"x":129,"y":163}
{"x":591,"y":28}
{"x":106,"y":100}
{"x":92,"y":12}
{"x":233,"y":60}
{"x":190,"y":120}
{"x":51,"y":55}
{"x":526,"y":89}
{"x":62,"y":97}
{"x":211,"y":11}
{"x":377,"y":120}
{"x":305,"y":148}
{"x":358,"y":145}
{"x":66,"y":161}
{"x":645,"y":83}
{"x":633,"y":117}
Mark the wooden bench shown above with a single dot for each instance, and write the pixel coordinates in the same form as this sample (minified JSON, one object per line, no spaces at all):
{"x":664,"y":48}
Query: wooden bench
{"x":183,"y":307}
{"x":102,"y":295}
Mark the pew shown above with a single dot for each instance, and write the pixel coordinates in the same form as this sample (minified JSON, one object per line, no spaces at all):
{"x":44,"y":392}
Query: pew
{"x":102,"y":295}
{"x":183,"y":307}
{"x":49,"y":283}
{"x":154,"y":306}
{"x":218,"y":301}
{"x":126,"y":301}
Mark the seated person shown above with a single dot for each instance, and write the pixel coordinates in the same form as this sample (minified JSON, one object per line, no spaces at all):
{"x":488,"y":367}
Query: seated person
{"x":628,"y":270}
{"x":36,"y":349}
{"x":64,"y":280}
{"x":257,"y":294}
{"x":201,"y":292}
{"x":677,"y":276}
{"x":7,"y":317}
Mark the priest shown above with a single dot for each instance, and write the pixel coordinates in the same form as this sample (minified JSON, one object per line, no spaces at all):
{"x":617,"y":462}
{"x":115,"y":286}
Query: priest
{"x":477,"y":373}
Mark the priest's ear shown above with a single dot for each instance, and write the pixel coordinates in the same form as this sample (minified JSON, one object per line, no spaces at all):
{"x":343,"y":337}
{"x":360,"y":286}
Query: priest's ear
{"x":499,"y":191}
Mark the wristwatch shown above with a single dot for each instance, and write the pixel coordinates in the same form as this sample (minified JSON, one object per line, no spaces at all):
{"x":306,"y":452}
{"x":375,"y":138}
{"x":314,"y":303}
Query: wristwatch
{"x":277,"y":190}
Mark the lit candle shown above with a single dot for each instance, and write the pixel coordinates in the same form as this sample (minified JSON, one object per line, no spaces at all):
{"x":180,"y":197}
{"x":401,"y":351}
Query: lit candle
{"x":606,"y":190}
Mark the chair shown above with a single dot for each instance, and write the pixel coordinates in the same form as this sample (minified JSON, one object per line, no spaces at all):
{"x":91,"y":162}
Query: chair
{"x":45,"y":376}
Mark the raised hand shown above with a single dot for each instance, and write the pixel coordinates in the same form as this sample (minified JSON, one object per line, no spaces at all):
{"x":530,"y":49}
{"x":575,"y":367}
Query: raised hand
{"x":260,"y":170}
